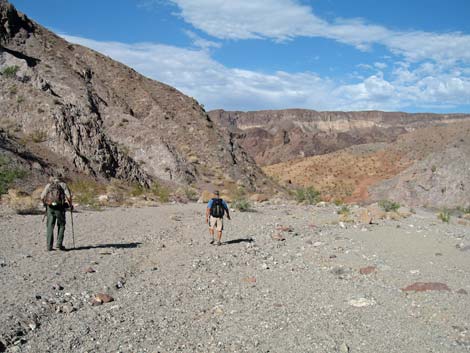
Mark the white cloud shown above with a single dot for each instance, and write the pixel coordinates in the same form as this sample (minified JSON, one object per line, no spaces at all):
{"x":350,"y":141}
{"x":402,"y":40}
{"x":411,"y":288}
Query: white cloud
{"x":197,"y":74}
{"x":286,"y":19}
{"x":201,"y":42}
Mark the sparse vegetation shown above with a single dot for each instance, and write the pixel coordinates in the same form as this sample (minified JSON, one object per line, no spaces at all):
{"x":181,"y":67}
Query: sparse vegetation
{"x":191,"y":194}
{"x":444,"y":216}
{"x":10,"y":71}
{"x":160,"y":191}
{"x":8,"y":174}
{"x":389,"y":206}
{"x":38,"y":136}
{"x":338,"y":202}
{"x":433,"y":169}
{"x":307,"y":195}
{"x":344,"y":210}
{"x":85,"y":192}
{"x":241,"y":204}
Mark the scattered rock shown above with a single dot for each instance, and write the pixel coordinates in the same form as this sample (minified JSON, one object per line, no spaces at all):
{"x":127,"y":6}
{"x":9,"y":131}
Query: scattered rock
{"x":250,"y":279}
{"x":462,"y":291}
{"x":66,"y":308}
{"x":259,"y":198}
{"x":361,"y":302}
{"x":120,"y":283}
{"x":343,"y":348}
{"x":365,"y":217}
{"x":89,"y":270}
{"x":285,"y":229}
{"x":57,"y":287}
{"x":278,"y":237}
{"x":317,"y":244}
{"x":367,"y":270}
{"x":426,"y":286}
{"x":101,"y":298}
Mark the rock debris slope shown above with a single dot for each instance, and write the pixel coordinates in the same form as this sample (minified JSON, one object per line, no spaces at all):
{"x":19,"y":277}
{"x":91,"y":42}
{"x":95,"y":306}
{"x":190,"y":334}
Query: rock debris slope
{"x":106,"y":119}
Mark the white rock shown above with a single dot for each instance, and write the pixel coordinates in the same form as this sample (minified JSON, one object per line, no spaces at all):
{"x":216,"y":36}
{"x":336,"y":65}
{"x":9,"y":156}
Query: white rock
{"x":361,"y":302}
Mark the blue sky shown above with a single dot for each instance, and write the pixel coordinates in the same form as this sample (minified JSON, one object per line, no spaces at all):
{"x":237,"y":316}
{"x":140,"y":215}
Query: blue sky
{"x":273,"y":54}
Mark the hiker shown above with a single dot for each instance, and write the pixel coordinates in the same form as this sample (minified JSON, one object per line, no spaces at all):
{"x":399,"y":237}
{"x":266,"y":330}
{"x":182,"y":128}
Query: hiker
{"x":216,"y":208}
{"x":56,"y":197}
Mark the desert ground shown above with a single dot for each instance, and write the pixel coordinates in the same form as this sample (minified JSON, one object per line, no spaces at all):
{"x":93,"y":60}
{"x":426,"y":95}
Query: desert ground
{"x":288,"y":278}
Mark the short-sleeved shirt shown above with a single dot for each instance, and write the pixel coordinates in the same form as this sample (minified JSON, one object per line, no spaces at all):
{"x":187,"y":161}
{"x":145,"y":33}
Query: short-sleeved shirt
{"x":224,"y":204}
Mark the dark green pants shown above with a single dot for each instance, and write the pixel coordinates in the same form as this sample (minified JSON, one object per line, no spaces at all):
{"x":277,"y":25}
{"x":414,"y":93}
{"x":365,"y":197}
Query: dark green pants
{"x":55,"y":215}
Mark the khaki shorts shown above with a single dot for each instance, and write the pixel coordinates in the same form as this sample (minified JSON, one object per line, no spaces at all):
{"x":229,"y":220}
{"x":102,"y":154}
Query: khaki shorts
{"x":217,"y":223}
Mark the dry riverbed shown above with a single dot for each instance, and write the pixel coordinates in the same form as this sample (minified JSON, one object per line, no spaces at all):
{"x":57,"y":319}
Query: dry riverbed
{"x":287,"y":279}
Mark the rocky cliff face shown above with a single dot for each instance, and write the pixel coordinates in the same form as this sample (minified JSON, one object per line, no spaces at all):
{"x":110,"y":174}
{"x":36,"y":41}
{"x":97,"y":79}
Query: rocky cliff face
{"x":106,"y":119}
{"x":278,"y":136}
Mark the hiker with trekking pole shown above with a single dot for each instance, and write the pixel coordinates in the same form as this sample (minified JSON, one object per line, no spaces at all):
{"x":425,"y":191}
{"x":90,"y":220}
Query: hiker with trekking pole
{"x":215,"y":211}
{"x":57,"y":198}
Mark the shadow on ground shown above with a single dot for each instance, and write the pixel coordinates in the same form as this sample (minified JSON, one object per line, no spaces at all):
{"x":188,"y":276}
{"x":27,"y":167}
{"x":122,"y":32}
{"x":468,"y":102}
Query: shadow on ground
{"x":241,"y":240}
{"x":108,"y":246}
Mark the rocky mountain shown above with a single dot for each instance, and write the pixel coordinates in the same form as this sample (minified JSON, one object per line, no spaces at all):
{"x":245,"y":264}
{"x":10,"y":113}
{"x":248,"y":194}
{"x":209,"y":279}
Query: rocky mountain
{"x":99,"y":117}
{"x":281,"y":135}
{"x":425,"y":167}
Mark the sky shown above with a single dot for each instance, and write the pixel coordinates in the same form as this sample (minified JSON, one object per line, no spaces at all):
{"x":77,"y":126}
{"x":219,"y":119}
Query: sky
{"x":391,"y":55}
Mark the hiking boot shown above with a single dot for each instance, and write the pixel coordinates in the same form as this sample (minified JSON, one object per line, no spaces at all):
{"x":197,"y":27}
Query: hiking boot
{"x":219,"y":243}
{"x":62,"y":248}
{"x":212,"y":241}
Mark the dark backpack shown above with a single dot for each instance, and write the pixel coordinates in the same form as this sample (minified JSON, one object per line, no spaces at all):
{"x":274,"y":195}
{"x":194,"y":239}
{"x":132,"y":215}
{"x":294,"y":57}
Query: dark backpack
{"x":55,"y":195}
{"x":217,"y":208}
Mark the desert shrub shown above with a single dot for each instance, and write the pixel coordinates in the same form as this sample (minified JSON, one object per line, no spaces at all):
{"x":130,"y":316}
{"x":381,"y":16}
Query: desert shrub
{"x":160,"y":191}
{"x":465,"y":210}
{"x":85,"y":192}
{"x":444,"y":216}
{"x":191,"y":194}
{"x":25,"y":206}
{"x":241,"y":204}
{"x":344,"y":210}
{"x":137,"y":190}
{"x":388,"y":205}
{"x":307,"y":195}
{"x":38,"y":136}
{"x":8,"y":174}
{"x":10,"y":71}
{"x":433,"y":168}
{"x":338,"y":202}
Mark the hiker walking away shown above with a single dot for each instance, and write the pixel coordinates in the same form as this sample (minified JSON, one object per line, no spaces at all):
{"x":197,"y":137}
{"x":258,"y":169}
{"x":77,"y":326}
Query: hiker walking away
{"x":57,"y":198}
{"x":216,"y":208}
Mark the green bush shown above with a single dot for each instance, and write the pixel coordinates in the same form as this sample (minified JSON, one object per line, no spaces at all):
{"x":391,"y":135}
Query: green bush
{"x":307,"y":195}
{"x":162,"y":192}
{"x":191,"y":194}
{"x":10,"y":71}
{"x":241,"y":204}
{"x":85,"y":192}
{"x":8,"y":174}
{"x":444,"y":216}
{"x":344,"y":210}
{"x":388,"y":205}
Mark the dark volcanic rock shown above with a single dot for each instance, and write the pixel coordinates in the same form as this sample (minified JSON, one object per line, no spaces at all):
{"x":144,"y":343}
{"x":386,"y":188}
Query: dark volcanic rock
{"x":105,"y":119}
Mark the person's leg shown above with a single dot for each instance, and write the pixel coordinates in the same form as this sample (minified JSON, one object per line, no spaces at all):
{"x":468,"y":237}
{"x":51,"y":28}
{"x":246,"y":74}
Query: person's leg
{"x":211,"y":229}
{"x":60,"y":215}
{"x":220,"y":227}
{"x":50,"y":228}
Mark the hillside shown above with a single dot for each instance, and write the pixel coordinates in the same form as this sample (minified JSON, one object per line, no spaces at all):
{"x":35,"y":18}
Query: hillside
{"x":104,"y":119}
{"x":275,"y":136}
{"x":428,"y":166}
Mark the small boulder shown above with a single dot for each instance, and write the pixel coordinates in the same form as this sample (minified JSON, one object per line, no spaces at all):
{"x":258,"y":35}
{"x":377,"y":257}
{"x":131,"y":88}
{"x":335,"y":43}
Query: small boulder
{"x":101,"y":298}
{"x":259,"y":198}
{"x":426,"y":286}
{"x":278,"y":237}
{"x":367,"y":270}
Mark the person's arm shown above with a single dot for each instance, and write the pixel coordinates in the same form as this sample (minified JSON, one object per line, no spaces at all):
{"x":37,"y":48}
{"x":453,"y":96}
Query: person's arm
{"x":68,"y":195}
{"x":226,"y":209}
{"x":208,"y":210}
{"x":44,"y":192}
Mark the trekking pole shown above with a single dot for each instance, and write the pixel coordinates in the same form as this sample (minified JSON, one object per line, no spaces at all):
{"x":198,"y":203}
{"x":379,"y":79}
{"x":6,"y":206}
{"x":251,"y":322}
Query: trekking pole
{"x":73,"y":232}
{"x":45,"y":214}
